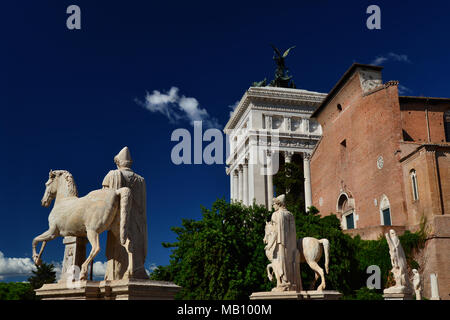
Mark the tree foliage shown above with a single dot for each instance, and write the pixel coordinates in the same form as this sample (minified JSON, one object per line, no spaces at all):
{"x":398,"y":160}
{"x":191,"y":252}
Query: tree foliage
{"x":221,"y":256}
{"x":16,"y":291}
{"x":43,"y":274}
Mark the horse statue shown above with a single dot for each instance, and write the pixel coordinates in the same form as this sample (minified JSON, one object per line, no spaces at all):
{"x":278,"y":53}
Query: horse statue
{"x":311,"y":250}
{"x":87,"y":216}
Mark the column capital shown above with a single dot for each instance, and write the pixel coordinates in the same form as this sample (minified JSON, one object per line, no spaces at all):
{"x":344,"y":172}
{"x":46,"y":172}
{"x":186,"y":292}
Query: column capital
{"x":306,"y":156}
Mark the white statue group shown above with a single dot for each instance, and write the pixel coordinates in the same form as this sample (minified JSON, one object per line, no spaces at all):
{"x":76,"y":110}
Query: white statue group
{"x":285,"y":252}
{"x":119,"y":207}
{"x":400,"y":269}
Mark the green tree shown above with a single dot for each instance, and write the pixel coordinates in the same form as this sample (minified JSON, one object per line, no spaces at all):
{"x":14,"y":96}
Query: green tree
{"x":16,"y":291}
{"x":221,"y":256}
{"x":43,"y":274}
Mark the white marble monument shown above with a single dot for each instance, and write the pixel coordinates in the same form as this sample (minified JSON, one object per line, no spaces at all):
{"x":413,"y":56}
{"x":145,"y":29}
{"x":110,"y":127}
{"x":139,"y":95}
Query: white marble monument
{"x":267,"y":122}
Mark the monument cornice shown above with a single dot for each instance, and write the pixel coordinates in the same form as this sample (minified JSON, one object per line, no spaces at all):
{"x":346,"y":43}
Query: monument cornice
{"x":286,"y":96}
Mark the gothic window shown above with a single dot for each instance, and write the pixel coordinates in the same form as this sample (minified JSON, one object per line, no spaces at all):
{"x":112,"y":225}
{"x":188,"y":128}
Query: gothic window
{"x":415,"y":189}
{"x":350,"y":222}
{"x":385,"y":211}
{"x":346,"y":211}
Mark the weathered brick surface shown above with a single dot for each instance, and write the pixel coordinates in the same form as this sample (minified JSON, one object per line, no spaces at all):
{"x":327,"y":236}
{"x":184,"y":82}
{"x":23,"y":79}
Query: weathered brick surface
{"x":408,"y":133}
{"x":371,"y":128}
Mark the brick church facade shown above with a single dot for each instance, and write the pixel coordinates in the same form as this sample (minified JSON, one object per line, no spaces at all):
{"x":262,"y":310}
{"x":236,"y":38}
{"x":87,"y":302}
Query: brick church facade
{"x":384,"y":162}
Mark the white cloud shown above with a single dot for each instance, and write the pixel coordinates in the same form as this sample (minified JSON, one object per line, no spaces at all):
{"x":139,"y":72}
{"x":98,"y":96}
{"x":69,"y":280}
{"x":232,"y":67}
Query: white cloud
{"x":152,"y":267}
{"x":391,"y":56}
{"x":13,"y":267}
{"x":403,"y":90}
{"x":176,"y":107}
{"x":21,"y":267}
{"x":233,"y":107}
{"x":99,"y":269}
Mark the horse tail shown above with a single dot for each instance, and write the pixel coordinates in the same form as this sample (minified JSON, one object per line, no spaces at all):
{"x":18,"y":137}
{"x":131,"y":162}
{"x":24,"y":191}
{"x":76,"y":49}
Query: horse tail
{"x":125,"y":206}
{"x":326,"y":249}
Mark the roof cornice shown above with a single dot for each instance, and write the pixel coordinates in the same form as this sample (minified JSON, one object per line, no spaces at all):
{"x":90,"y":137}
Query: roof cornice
{"x":287,"y":96}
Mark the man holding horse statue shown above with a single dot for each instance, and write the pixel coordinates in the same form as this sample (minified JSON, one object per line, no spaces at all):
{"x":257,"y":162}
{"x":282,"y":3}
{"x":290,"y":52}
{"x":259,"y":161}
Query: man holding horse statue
{"x":119,"y":208}
{"x":286,"y":253}
{"x":134,"y":236}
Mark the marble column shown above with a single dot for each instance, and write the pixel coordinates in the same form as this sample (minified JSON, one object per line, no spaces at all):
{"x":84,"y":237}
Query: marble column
{"x":241,"y":184}
{"x":235,"y":186}
{"x":245,"y":186}
{"x":231,"y":187}
{"x":287,"y":159}
{"x":269,"y":181}
{"x":307,"y":175}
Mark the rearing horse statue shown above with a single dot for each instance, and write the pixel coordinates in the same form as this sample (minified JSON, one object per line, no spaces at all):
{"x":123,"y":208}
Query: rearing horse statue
{"x":82,"y":217}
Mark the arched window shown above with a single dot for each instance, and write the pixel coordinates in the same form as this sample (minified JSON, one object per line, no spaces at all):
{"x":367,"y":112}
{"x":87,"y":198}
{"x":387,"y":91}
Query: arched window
{"x":385,"y":211}
{"x":447,"y":125}
{"x":347,"y":212}
{"x":415,"y":189}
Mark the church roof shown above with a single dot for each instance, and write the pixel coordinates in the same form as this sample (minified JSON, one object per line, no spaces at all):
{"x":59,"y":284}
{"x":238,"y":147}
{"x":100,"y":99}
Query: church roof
{"x":341,"y":82}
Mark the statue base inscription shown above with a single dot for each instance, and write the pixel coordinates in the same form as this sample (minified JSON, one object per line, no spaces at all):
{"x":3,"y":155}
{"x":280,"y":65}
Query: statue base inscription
{"x":135,"y":289}
{"x":295,"y":295}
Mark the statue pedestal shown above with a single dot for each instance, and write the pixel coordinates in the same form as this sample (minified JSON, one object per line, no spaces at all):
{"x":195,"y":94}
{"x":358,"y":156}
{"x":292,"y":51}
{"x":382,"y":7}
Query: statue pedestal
{"x":398,"y":295}
{"x":133,"y":289}
{"x":276,"y":295}
{"x":295,"y":295}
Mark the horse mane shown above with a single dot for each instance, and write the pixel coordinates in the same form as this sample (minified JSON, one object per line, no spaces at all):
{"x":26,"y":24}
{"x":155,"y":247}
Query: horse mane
{"x":72,"y":190}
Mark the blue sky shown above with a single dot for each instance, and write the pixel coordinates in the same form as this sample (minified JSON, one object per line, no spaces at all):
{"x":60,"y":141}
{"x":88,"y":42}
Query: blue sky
{"x":69,"y":98}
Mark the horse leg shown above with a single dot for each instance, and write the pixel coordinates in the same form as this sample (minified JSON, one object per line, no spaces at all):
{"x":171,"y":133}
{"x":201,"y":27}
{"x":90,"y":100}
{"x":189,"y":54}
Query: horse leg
{"x":93,"y":238}
{"x":313,"y":284}
{"x":48,"y":235}
{"x":318,"y":270}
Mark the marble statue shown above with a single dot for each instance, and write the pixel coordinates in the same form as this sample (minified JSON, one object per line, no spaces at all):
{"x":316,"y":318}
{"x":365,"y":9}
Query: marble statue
{"x":132,"y":234}
{"x":399,"y":265}
{"x":311,"y":250}
{"x":417,"y":283}
{"x":281,"y":248}
{"x":87,"y":216}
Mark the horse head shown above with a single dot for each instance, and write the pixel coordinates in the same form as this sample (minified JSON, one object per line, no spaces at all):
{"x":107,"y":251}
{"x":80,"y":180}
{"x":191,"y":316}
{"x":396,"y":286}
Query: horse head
{"x":51,"y":187}
{"x":58,"y":180}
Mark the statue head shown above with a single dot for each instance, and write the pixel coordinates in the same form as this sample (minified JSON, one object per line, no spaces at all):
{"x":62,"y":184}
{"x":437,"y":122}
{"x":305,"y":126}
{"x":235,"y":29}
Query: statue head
{"x":123,"y":159}
{"x":57,"y":179}
{"x":392,"y":233}
{"x":279,"y":202}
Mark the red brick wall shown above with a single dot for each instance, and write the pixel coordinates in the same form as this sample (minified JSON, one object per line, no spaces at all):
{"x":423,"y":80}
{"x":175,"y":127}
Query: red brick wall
{"x":414,"y":119}
{"x":371,"y":126}
{"x":431,"y":168}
